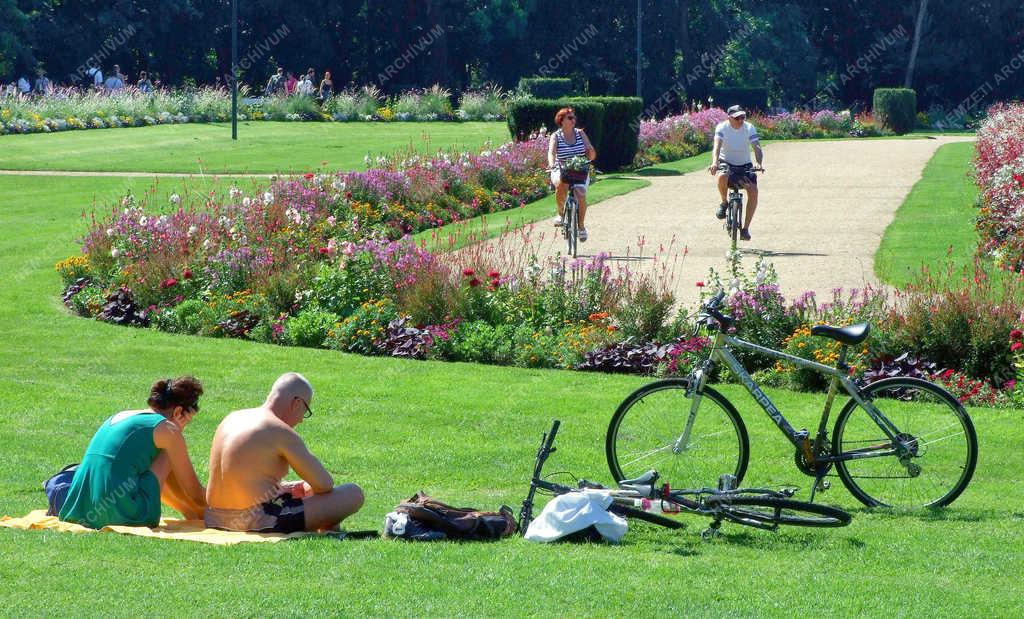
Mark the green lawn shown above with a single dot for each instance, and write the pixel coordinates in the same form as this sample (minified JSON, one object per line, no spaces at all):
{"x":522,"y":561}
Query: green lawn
{"x":935,"y":224}
{"x":465,"y":433}
{"x":262,"y":147}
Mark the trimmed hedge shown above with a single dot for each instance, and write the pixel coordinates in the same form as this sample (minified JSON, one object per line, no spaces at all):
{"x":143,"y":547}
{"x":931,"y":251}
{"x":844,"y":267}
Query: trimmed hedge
{"x":547,"y":87}
{"x":895,"y":108}
{"x":621,"y":139}
{"x":529,"y":115}
{"x":610,"y":122}
{"x":751,"y":99}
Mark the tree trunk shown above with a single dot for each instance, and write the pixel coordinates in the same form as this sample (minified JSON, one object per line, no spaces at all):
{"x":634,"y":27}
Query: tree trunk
{"x":683,"y":45}
{"x":912,"y":62}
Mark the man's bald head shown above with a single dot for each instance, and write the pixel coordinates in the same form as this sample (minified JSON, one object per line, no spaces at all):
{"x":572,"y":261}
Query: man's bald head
{"x":288,"y":387}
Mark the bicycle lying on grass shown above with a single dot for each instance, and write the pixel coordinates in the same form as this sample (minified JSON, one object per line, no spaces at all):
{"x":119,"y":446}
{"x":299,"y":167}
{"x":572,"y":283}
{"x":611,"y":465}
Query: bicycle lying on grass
{"x":899,"y":442}
{"x":753,"y":507}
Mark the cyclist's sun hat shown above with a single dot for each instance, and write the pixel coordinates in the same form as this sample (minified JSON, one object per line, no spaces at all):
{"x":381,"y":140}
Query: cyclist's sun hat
{"x":735,"y":111}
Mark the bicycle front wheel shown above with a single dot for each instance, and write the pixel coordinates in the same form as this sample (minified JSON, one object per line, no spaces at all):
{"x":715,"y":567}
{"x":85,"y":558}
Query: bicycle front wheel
{"x":689,"y":442}
{"x":571,"y":225}
{"x":767,"y":512}
{"x":940,"y":441}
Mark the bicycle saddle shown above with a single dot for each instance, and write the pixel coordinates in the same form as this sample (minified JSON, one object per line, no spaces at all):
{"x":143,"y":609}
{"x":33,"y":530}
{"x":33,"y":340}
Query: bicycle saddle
{"x":646,"y":479}
{"x":853,"y":334}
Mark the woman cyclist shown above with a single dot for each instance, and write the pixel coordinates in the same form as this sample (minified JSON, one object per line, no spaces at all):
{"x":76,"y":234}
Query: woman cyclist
{"x":568,"y":142}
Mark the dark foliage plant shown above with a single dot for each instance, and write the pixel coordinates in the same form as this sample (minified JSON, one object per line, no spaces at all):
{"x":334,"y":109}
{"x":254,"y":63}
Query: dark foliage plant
{"x":120,"y":309}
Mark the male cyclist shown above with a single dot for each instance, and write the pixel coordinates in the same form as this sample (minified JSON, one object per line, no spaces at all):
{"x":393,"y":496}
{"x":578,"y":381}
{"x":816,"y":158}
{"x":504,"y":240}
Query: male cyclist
{"x":733,"y":140}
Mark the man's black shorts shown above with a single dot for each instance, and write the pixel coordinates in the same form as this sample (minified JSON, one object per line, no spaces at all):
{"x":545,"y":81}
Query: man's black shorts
{"x":289,"y":514}
{"x":739,"y":173}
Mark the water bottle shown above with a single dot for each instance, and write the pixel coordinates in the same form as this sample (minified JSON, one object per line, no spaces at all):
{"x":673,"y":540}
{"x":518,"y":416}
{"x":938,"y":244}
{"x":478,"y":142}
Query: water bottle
{"x":655,"y":507}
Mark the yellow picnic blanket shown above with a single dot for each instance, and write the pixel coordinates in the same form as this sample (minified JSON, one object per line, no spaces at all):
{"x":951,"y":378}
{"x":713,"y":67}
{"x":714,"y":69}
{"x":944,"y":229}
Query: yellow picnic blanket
{"x":188,"y":530}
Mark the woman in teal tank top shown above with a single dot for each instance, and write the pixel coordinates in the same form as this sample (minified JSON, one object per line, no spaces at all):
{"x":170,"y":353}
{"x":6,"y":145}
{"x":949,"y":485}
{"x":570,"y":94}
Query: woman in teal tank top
{"x":138,"y":459}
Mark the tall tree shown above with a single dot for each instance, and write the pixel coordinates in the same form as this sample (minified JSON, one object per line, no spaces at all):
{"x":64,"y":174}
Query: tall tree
{"x":922,"y":11}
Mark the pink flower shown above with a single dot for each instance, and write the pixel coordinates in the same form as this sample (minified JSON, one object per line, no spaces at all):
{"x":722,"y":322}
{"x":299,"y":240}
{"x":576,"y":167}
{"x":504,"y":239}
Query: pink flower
{"x":493,"y":274}
{"x":1016,"y":346}
{"x":186,"y":274}
{"x":308,"y":176}
{"x":1015,"y":335}
{"x":473,"y":283}
{"x":700,"y":284}
{"x":468,"y":272}
{"x":169,"y":282}
{"x":495,"y":282}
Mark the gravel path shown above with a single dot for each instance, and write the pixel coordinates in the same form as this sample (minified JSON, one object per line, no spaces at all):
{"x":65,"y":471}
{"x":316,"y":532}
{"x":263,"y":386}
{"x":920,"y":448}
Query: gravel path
{"x":824,"y":207}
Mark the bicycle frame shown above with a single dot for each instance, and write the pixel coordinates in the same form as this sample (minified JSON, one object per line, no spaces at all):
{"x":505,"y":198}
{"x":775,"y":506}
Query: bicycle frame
{"x":721,"y":353}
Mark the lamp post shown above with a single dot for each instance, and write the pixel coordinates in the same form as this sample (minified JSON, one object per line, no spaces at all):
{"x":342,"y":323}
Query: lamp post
{"x":234,"y":69}
{"x":639,"y":53}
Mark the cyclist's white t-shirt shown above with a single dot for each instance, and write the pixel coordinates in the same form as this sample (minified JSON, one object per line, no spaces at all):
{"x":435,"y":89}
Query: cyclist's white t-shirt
{"x":736,"y":142}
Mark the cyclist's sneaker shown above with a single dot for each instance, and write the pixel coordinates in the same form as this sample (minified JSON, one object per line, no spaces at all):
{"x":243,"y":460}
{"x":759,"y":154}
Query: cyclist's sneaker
{"x":721,"y":210}
{"x":744,"y":234}
{"x":582,"y":235}
{"x":557,"y":222}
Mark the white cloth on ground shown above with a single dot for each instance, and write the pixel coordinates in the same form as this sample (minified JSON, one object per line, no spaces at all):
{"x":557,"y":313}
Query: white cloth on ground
{"x":574,"y":511}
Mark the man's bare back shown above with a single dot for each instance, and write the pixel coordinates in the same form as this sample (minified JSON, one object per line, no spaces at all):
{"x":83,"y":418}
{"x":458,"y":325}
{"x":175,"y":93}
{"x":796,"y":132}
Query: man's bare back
{"x":252,"y":452}
{"x":246,"y":461}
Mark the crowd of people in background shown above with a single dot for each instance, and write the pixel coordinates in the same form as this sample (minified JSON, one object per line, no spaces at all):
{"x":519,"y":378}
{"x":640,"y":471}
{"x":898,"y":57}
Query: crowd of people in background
{"x":283,"y":83}
{"x":280,"y":84}
{"x":94,"y":80}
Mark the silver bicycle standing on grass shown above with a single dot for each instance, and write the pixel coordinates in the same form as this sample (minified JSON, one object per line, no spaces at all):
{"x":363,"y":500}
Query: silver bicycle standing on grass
{"x":900,"y":442}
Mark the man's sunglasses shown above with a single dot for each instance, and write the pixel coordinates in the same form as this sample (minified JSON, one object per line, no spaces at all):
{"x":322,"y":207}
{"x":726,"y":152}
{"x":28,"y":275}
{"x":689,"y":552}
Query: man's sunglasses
{"x":570,"y":118}
{"x":309,"y":411}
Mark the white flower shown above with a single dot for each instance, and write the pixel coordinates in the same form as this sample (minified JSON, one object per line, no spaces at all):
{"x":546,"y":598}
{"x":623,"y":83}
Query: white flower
{"x":110,"y":232}
{"x":338,"y":185}
{"x":163,"y":219}
{"x":192,"y":230}
{"x":331,"y":220}
{"x":235,"y":192}
{"x":114,"y":253}
{"x":233,"y":231}
{"x":175,"y":198}
{"x":247,"y":202}
{"x":268,"y":198}
{"x":207,"y":244}
{"x":143,"y":221}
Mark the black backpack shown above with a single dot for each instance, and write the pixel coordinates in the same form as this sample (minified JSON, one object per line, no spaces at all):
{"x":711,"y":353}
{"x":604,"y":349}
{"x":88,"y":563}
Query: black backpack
{"x":462,"y":523}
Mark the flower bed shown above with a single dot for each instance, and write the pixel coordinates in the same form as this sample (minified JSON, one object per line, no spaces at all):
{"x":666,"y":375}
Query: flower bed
{"x":999,"y":173}
{"x":685,"y":135}
{"x":71,"y":109}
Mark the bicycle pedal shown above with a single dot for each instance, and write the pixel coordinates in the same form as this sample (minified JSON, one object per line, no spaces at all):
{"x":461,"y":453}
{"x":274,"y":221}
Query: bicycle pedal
{"x":823,"y":485}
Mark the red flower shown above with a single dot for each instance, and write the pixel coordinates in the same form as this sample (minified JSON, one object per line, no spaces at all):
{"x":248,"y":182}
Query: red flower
{"x":468,"y":272}
{"x":473,"y":283}
{"x":324,"y":250}
{"x":308,"y":176}
{"x":700,"y":284}
{"x":186,"y":274}
{"x":1016,"y":346}
{"x":495,"y":282}
{"x":1015,"y":335}
{"x":167,"y":283}
{"x":493,"y":274}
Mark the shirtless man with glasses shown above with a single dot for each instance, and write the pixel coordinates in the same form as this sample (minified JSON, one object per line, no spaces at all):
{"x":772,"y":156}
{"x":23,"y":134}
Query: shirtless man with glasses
{"x":252,"y":452}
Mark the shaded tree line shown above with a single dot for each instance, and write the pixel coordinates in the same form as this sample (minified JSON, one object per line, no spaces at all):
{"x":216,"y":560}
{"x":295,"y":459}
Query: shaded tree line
{"x":803,"y":51}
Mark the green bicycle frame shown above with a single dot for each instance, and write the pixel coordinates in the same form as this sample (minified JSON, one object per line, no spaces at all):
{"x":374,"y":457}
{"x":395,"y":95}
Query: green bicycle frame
{"x":721,"y":353}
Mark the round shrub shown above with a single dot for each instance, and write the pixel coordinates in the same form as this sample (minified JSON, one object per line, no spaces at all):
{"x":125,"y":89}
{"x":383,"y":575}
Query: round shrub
{"x":310,"y":328}
{"x":896,"y":108}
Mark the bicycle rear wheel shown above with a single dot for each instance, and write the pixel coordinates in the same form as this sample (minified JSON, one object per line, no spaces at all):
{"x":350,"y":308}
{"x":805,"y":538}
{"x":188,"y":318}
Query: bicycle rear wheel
{"x":646,"y":433}
{"x":768,"y":512}
{"x":943,"y":446}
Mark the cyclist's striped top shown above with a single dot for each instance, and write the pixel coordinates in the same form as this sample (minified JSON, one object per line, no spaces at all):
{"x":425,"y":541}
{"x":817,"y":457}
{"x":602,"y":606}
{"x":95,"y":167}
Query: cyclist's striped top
{"x":568,"y":151}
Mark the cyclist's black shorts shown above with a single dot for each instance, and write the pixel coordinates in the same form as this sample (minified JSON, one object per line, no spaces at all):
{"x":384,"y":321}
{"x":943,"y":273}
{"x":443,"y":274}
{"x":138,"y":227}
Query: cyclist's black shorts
{"x":739,"y":172}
